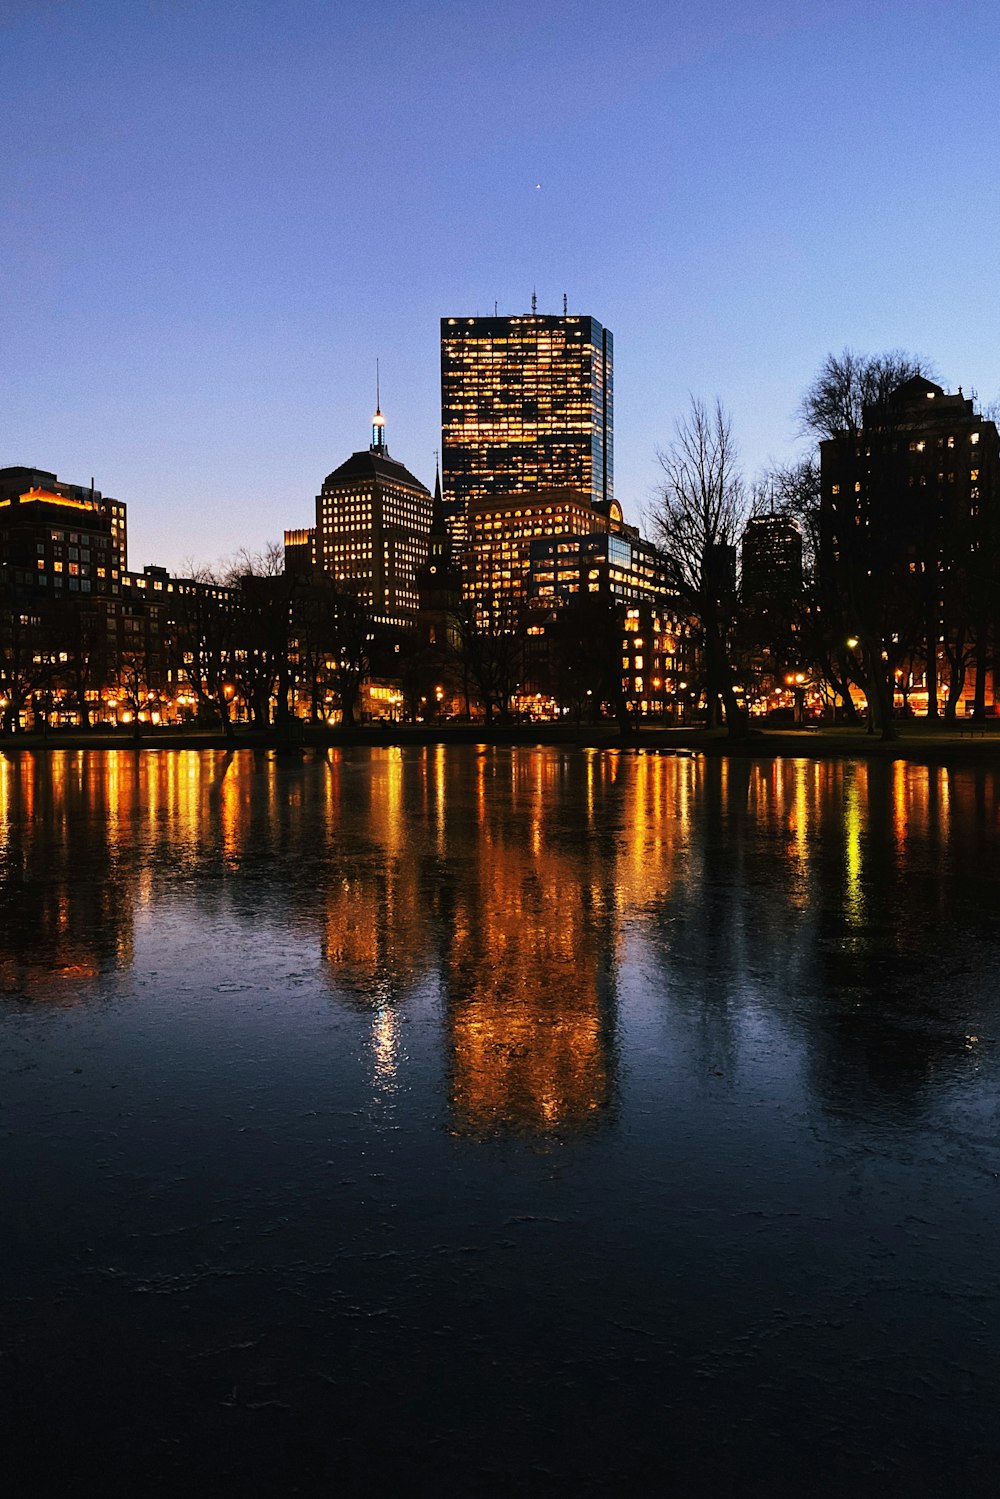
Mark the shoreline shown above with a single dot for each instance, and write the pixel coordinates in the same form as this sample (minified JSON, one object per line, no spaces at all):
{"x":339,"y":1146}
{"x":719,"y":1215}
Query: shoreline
{"x":925,"y":745}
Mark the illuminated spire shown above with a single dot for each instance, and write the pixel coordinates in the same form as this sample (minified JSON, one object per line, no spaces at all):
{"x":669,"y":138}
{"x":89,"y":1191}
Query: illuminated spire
{"x":378,"y":420}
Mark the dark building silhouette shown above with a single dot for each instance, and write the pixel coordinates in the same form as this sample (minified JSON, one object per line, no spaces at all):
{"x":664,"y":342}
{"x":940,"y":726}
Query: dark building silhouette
{"x":439,"y":582}
{"x":300,"y":550}
{"x":771,"y":558}
{"x":909,"y":535}
{"x":59,"y":539}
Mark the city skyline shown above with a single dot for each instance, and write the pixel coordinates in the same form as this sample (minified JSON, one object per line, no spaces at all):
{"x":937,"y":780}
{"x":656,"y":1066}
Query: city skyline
{"x":202,"y":276}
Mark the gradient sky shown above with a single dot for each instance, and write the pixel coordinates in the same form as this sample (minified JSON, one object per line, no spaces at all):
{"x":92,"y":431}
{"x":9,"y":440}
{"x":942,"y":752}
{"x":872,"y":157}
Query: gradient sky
{"x":216,"y":213}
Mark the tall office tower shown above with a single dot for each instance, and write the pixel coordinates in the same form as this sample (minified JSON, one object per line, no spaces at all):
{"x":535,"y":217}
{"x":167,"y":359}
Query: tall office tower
{"x":771,"y":558}
{"x":526,"y":405}
{"x":373,"y":519}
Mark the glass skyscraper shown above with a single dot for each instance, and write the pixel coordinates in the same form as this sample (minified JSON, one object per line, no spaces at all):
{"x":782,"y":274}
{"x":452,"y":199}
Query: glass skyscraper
{"x":526,"y":405}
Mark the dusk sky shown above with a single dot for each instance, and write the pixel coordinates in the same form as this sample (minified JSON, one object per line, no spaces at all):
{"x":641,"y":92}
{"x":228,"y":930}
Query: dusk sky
{"x":217,"y":213}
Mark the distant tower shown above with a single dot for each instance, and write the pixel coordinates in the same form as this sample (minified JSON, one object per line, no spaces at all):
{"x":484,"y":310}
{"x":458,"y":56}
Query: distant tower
{"x":771,"y":558}
{"x":372,"y":523}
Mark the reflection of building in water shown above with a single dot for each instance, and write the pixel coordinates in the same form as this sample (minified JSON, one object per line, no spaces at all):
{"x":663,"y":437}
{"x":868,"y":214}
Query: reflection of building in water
{"x":375,"y":926}
{"x":374,"y":930}
{"x":67,"y":913}
{"x":529,"y":968}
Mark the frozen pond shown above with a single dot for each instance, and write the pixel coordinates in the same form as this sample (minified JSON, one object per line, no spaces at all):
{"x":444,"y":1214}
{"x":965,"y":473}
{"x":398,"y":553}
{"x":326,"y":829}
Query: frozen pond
{"x":499,"y":1121}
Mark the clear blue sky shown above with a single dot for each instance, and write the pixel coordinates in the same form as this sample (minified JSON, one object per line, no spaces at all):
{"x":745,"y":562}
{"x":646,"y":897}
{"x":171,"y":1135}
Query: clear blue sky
{"x":216,"y":213}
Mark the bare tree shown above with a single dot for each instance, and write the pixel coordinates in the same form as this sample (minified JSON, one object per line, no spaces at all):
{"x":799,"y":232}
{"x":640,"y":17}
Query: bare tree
{"x":866,"y":585}
{"x":133,"y":684}
{"x":263,"y":597}
{"x":848,"y":382}
{"x":696,"y":518}
{"x":350,"y":659}
{"x":28,"y":658}
{"x":491,"y":653}
{"x":818,"y":616}
{"x":199,"y":641}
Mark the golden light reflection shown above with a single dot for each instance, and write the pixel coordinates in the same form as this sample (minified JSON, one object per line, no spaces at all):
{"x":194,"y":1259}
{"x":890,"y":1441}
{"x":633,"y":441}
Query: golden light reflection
{"x":854,"y":821}
{"x":385,"y":1042}
{"x":526,"y":972}
{"x":512,"y":884}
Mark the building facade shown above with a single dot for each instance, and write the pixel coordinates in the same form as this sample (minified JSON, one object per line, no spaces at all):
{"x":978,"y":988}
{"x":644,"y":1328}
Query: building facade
{"x":527,"y":405}
{"x":373,"y":519}
{"x":616,"y":563}
{"x":501,"y":533}
{"x":58,"y":539}
{"x":909,"y":535}
{"x":770,"y":560}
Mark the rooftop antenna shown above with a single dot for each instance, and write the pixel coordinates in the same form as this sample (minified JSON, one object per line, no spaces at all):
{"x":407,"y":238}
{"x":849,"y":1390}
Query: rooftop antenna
{"x":534,"y":301}
{"x":378,"y":420}
{"x":495,"y":306}
{"x":565,"y":304}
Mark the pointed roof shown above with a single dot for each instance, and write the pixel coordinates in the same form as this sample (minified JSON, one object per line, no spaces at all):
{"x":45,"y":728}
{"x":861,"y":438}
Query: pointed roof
{"x":438,"y":522}
{"x":373,"y":463}
{"x":916,"y":386}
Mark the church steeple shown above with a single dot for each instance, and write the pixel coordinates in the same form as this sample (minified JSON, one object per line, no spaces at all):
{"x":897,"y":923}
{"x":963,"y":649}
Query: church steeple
{"x":438,"y":523}
{"x":439,"y":581}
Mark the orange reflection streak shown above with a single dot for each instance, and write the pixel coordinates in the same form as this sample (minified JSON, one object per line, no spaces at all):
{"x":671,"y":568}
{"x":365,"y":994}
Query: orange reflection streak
{"x":900,"y":800}
{"x":61,"y":931}
{"x":855,"y":819}
{"x":526,"y":975}
{"x":375,"y":930}
{"x":440,"y":800}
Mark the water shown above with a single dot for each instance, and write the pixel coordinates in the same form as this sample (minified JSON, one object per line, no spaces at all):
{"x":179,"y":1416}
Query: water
{"x":498,"y":1121}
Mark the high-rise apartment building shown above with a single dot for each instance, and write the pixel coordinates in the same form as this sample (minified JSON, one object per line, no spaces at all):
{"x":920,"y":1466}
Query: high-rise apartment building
{"x":526,"y":405}
{"x":58,"y":539}
{"x":908,"y":539}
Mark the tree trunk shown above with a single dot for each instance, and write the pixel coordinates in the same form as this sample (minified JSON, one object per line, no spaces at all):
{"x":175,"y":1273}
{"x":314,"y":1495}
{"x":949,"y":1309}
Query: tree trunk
{"x":931,"y":668}
{"x":877,"y":691}
{"x":979,"y":702}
